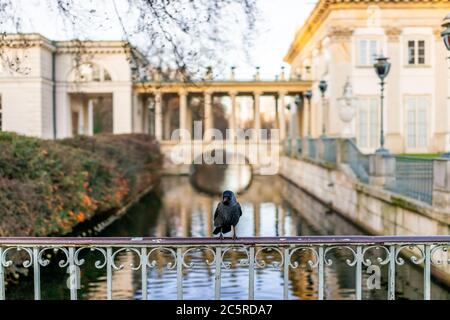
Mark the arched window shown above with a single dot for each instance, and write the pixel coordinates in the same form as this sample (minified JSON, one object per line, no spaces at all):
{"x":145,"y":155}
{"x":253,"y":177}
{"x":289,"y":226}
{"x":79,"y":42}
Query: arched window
{"x":90,"y":72}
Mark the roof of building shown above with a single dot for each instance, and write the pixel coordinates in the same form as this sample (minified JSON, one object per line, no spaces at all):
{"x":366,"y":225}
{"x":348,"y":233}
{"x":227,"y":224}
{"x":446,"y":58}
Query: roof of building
{"x":67,"y":46}
{"x":324,"y":7}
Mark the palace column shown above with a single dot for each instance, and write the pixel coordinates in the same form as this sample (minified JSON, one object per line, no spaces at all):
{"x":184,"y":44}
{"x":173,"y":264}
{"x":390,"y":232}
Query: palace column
{"x":123,"y":109}
{"x":257,"y":124}
{"x":81,"y":118}
{"x":306,"y":117}
{"x":393,"y":123}
{"x":281,"y":114}
{"x":158,"y":116}
{"x":183,"y":113}
{"x":233,"y":96}
{"x":209,"y":120}
{"x":90,"y":117}
{"x":340,"y":65}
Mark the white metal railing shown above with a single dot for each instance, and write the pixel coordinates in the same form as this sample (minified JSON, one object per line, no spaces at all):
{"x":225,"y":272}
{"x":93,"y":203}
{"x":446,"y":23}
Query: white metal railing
{"x":427,"y":252}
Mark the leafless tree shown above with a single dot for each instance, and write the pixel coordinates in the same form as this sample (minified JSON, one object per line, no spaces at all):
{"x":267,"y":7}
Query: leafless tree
{"x":184,"y":35}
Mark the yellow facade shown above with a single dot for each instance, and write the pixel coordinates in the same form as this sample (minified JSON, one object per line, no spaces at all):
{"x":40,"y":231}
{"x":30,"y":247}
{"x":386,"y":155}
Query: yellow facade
{"x":338,"y":43}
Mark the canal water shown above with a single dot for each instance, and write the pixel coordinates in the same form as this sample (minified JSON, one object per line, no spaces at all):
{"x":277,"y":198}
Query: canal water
{"x":184,"y":206}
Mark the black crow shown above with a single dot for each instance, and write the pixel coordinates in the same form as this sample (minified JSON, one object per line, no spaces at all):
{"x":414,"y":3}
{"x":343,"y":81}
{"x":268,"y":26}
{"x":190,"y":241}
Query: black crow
{"x":227,"y":215}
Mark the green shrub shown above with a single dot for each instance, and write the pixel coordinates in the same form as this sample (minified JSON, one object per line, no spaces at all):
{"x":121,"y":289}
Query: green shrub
{"x":48,"y":187}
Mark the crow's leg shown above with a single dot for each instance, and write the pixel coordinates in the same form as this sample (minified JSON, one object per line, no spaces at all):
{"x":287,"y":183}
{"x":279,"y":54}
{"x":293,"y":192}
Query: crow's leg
{"x":234,"y":232}
{"x":221,"y":235}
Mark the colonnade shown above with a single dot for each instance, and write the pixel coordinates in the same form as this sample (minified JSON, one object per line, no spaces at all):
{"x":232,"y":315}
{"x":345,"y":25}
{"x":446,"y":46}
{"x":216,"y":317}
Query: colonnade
{"x":185,"y":121}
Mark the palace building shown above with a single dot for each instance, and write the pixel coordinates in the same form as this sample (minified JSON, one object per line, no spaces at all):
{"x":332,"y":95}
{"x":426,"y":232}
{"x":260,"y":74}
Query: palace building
{"x":340,"y":41}
{"x":58,"y":89}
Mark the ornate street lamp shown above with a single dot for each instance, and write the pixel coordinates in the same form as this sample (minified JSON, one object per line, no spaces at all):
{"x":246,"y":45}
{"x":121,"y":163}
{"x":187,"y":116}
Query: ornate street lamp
{"x":233,"y":73}
{"x":323,"y":86}
{"x":258,"y":74}
{"x":382,"y":68}
{"x":308,"y":95}
{"x":446,"y":37}
{"x":446,"y":33}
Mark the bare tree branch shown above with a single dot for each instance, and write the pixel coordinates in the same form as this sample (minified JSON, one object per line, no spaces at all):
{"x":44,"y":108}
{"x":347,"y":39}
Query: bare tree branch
{"x":185,"y":35}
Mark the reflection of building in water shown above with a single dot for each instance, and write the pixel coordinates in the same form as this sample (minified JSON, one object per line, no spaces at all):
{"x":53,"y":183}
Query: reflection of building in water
{"x":123,"y":284}
{"x":189,"y":213}
{"x":304,"y":278}
{"x":283,"y":209}
{"x":185,"y":212}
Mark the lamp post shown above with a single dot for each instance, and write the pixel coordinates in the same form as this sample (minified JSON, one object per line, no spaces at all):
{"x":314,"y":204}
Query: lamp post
{"x":446,"y":37}
{"x":308,"y":95}
{"x":323,"y":86}
{"x":382,"y":68}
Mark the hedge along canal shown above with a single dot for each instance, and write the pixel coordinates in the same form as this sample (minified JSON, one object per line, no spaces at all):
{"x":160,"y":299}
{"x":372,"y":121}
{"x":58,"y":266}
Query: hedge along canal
{"x":55,"y":187}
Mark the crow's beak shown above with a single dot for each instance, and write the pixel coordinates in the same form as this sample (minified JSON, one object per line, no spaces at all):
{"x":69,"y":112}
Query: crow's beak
{"x":226,"y":200}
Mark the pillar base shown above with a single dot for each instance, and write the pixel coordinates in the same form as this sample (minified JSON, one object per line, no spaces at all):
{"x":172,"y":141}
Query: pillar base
{"x":382,"y":152}
{"x":381,"y":169}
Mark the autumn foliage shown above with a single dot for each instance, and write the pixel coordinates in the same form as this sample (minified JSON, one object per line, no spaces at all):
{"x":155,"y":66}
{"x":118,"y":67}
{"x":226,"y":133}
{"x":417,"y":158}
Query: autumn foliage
{"x":49,"y":187}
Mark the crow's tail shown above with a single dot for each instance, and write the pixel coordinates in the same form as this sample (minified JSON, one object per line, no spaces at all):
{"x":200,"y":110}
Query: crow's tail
{"x":225,"y":229}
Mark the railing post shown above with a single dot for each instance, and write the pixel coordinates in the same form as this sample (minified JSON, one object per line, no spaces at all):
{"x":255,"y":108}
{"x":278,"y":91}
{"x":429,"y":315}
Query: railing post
{"x":321,"y":273}
{"x":144,"y":273}
{"x":391,"y":275}
{"x":73,"y":274}
{"x":286,"y":261}
{"x":179,"y":274}
{"x":359,"y":261}
{"x":109,"y":273}
{"x":320,"y":153}
{"x":218,"y":273}
{"x":381,"y":169}
{"x":427,"y":273}
{"x":251,"y":274}
{"x":36,"y":274}
{"x":340,"y":151}
{"x":441,"y":183}
{"x":305,"y":147}
{"x":2,"y":277}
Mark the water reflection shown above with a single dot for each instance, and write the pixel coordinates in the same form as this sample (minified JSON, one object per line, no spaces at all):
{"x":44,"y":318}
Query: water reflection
{"x":215,"y":178}
{"x":271,"y":207}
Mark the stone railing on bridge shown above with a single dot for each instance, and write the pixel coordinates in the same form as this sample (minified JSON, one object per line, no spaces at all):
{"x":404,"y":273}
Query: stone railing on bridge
{"x":283,"y":254}
{"x":423,"y":179}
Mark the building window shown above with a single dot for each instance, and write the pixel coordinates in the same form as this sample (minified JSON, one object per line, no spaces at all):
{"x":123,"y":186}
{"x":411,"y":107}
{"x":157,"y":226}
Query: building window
{"x":90,"y":72}
{"x":416,"y":117}
{"x":367,"y":51}
{"x":416,"y":52}
{"x":368,"y":122}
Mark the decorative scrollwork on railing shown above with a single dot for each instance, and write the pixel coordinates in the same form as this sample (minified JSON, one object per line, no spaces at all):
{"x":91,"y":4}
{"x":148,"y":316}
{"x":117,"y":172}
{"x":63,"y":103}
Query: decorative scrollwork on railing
{"x":98,"y":263}
{"x":64,"y":262}
{"x":349,"y":262}
{"x":198,"y":249}
{"x":26,"y":263}
{"x":261,"y":263}
{"x":121,"y":266}
{"x":414,"y":259}
{"x":382,"y":261}
{"x":170,"y":251}
{"x":444,"y":249}
{"x":312,"y":263}
{"x":242,"y":262}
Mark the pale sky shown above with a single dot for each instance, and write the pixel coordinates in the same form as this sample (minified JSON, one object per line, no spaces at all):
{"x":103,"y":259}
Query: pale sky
{"x":280,"y":19}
